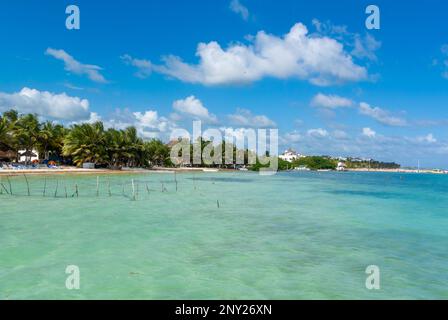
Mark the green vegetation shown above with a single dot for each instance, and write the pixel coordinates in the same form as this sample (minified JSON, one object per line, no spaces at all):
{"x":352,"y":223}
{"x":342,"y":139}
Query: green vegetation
{"x":80,"y":143}
{"x":316,"y":163}
{"x":282,"y":165}
{"x":373,"y":164}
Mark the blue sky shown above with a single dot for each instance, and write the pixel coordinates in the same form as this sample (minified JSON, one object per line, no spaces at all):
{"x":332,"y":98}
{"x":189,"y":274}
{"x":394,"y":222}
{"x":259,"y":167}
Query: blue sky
{"x":309,"y":68}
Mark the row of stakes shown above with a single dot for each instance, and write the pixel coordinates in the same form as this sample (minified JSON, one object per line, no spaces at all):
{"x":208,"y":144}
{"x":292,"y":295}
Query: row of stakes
{"x":76,"y":192}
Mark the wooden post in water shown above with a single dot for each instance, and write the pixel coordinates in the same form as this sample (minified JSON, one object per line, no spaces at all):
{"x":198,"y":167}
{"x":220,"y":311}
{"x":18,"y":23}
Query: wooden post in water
{"x":133,"y":190}
{"x":27,"y":184}
{"x":108,"y":183}
{"x":175,"y":179}
{"x":57,"y":186}
{"x":9,"y":183}
{"x":65,"y":188}
{"x":217,"y":203}
{"x":45,"y":186}
{"x":76,"y":190}
{"x":3,"y":186}
{"x":147,"y":189}
{"x":194,"y":181}
{"x":97,"y":186}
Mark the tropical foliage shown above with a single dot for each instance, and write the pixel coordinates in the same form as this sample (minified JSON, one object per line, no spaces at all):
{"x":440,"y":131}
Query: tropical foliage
{"x":80,"y":143}
{"x":316,"y":163}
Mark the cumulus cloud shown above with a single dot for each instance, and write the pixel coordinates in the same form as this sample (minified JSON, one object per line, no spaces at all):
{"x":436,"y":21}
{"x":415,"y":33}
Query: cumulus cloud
{"x":193,"y":107}
{"x":317,"y":133}
{"x":144,"y":67}
{"x":368,"y":132}
{"x":429,"y":138}
{"x":330,"y":101}
{"x":320,"y":60}
{"x":380,"y":115}
{"x":365,"y":47}
{"x":237,"y":7}
{"x":76,"y":67}
{"x":292,"y":137}
{"x":46,"y":104}
{"x":340,"y":135}
{"x":245,"y":118}
{"x":362,"y":47}
{"x":148,"y":123}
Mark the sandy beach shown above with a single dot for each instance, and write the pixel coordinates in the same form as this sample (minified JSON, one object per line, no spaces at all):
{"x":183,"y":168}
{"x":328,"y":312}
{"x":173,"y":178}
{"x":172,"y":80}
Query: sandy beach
{"x":75,"y":170}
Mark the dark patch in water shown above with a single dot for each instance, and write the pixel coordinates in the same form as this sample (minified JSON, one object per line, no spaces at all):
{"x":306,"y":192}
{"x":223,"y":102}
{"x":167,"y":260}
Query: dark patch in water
{"x":221,"y":179}
{"x":375,"y":194}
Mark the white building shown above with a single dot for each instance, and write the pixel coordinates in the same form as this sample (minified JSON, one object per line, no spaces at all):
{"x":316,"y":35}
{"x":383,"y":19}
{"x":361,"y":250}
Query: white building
{"x":290,"y":155}
{"x":30,"y":156}
{"x":341,"y":166}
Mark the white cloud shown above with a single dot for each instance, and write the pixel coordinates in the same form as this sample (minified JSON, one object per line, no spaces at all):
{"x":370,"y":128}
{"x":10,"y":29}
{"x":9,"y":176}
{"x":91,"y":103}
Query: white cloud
{"x":144,"y":67}
{"x":368,"y":132}
{"x":429,"y":138}
{"x":148,"y":123}
{"x":317,"y":133}
{"x":237,"y":7}
{"x":363,"y":47}
{"x":330,"y":101}
{"x":293,"y":137}
{"x":193,"y":107}
{"x":340,"y":135}
{"x":76,"y":67}
{"x":380,"y":115}
{"x":46,"y":104}
{"x":319,"y":60}
{"x":245,"y":118}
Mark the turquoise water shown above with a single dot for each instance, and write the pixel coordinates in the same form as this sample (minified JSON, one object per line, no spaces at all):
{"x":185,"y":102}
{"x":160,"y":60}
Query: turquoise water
{"x":289,"y":236}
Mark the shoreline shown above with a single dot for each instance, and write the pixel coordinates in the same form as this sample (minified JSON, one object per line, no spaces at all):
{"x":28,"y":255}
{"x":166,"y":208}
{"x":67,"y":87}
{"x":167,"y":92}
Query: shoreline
{"x":426,"y":171}
{"x":74,"y":170}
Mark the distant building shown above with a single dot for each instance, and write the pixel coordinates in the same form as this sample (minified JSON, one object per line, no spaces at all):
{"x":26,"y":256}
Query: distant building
{"x":28,"y":156}
{"x":290,"y":155}
{"x":341,"y":166}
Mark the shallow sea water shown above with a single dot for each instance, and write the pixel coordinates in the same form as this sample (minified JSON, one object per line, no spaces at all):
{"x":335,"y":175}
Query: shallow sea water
{"x":307,"y":235}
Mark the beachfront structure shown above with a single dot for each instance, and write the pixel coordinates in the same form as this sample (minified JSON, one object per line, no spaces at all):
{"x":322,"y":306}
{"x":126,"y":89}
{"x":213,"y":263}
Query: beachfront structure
{"x":290,"y":155}
{"x":28,"y":155}
{"x":341,"y":166}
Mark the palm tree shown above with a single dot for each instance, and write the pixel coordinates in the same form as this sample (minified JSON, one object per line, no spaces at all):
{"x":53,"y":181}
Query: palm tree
{"x":46,"y":137}
{"x":51,"y":139}
{"x":4,"y":131}
{"x":156,"y":152}
{"x":134,"y":147}
{"x":86,"y":143}
{"x":26,"y":131}
{"x":116,"y":147}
